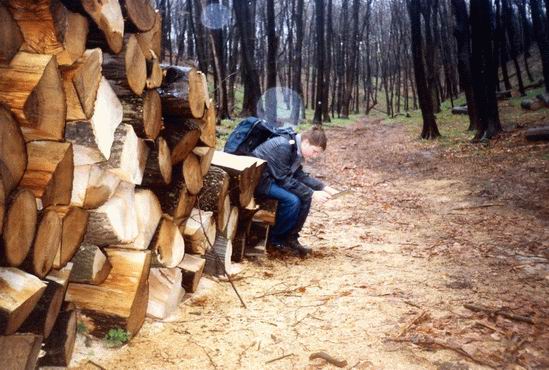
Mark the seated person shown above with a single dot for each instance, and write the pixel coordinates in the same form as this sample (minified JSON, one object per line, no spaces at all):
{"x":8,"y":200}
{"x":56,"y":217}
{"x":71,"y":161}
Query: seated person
{"x":285,"y":180}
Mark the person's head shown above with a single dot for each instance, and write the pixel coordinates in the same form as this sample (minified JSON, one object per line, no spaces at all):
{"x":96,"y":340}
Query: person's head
{"x":313,"y":142}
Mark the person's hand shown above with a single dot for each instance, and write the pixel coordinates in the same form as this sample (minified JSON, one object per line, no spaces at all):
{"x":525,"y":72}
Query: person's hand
{"x":321,"y":196}
{"x":330,"y":190}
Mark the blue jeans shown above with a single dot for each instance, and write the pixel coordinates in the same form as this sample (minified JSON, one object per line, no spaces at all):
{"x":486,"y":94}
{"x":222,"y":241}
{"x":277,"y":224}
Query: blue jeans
{"x":291,"y":213}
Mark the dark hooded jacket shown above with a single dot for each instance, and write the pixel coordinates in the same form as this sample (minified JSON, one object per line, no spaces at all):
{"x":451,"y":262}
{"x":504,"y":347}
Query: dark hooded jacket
{"x":284,"y":167}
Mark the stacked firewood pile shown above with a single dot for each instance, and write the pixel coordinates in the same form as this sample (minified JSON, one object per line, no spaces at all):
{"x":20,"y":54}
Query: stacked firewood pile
{"x":109,"y":207}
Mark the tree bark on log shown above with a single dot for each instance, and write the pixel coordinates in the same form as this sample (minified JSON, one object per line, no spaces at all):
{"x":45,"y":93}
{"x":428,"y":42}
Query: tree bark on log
{"x":158,"y":170}
{"x":19,"y":293}
{"x":175,"y":200}
{"x":182,"y":93}
{"x":20,"y":351}
{"x":168,"y":244}
{"x":127,"y":71}
{"x":46,"y":244}
{"x":128,"y":155}
{"x":42,"y":319}
{"x":60,"y":344}
{"x":192,"y":173}
{"x":90,"y":265}
{"x":218,"y":258}
{"x":165,"y":292}
{"x":213,"y":197}
{"x":140,"y":15}
{"x":13,"y":151}
{"x":115,"y":222}
{"x":49,"y":173}
{"x":181,"y":138}
{"x":127,"y":282}
{"x":199,"y":231}
{"x":537,"y":133}
{"x":74,"y":220}
{"x":19,"y":227}
{"x":11,"y":38}
{"x":32,"y":87}
{"x":205,"y":153}
{"x":192,"y":267}
{"x":93,"y":138}
{"x":49,"y":28}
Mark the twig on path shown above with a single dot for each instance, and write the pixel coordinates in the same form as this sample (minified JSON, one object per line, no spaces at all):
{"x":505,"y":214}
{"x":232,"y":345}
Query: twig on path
{"x":93,"y":363}
{"x":479,"y":206}
{"x":328,"y":358}
{"x":206,"y":352}
{"x":507,"y":315}
{"x":423,"y":315}
{"x":412,"y":304}
{"x":279,"y":358}
{"x":286,"y":291}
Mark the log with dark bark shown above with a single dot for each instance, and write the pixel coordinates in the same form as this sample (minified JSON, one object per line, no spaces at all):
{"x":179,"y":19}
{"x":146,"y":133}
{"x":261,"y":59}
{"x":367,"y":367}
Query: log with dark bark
{"x":127,"y":71}
{"x":115,"y":222}
{"x":46,"y":244}
{"x":158,"y":170}
{"x":199,"y":231}
{"x":90,"y":265}
{"x":192,"y":267}
{"x":144,"y":113}
{"x":192,"y":174}
{"x":168,"y":245}
{"x":460,"y":110}
{"x":175,"y":199}
{"x":20,"y":351}
{"x":212,"y":196}
{"x":74,"y":220}
{"x":10,"y":36}
{"x":49,"y":28}
{"x":42,"y":319}
{"x":165,"y":292}
{"x":49,"y":173}
{"x":13,"y":152}
{"x":127,"y":282}
{"x":218,"y":258}
{"x":19,"y":294}
{"x":32,"y":87}
{"x":19,"y":227}
{"x":128,"y":155}
{"x":139,"y":15}
{"x":537,"y":133}
{"x":182,"y":93}
{"x":93,"y":138}
{"x":205,"y":154}
{"x":181,"y":137}
{"x":60,"y":344}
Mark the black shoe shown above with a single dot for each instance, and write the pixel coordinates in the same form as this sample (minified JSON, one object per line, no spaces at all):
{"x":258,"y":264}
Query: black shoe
{"x":303,"y":250}
{"x":281,"y":248}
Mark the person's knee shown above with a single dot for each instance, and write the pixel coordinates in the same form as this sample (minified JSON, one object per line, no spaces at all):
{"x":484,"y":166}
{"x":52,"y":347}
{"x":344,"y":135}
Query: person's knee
{"x":294,"y":202}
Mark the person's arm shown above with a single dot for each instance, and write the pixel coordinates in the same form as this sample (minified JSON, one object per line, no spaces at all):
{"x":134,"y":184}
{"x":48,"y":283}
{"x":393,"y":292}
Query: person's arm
{"x":308,"y":180}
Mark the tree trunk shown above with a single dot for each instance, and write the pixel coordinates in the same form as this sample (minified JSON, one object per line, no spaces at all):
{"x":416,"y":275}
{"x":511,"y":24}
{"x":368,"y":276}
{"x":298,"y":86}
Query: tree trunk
{"x":320,"y":56}
{"x":183,"y":93}
{"x":540,"y":33}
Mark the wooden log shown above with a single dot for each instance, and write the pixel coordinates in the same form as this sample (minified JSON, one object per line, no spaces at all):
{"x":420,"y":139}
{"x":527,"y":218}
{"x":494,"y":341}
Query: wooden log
{"x":79,"y":184}
{"x":49,"y":173}
{"x":460,"y":110}
{"x":107,"y":16}
{"x":267,"y":211}
{"x":13,"y":152}
{"x":11,"y":38}
{"x":199,"y":231}
{"x":144,"y":113}
{"x":165,"y":292}
{"x":168,"y":245}
{"x":127,"y":71}
{"x":214,"y":196}
{"x":115,"y":222}
{"x":90,"y":265}
{"x":82,"y":80}
{"x":537,"y":133}
{"x":232,"y":224}
{"x":100,"y":187}
{"x":60,"y":344}
{"x":139,"y":15}
{"x":207,"y":126}
{"x":19,"y":227}
{"x":32,"y":87}
{"x":155,"y":75}
{"x":182,"y":93}
{"x":531,"y":104}
{"x":46,"y":244}
{"x":192,"y":267}
{"x":20,"y":351}
{"x":182,"y":138}
{"x":19,"y":294}
{"x":150,"y":41}
{"x":128,"y":155}
{"x":93,"y":138}
{"x":158,"y":169}
{"x":42,"y":319}
{"x":192,"y":173}
{"x":218,"y":258}
{"x":127,"y":282}
{"x":149,"y":213}
{"x":49,"y":28}
{"x":74,"y":220}
{"x":174,"y":199}
{"x":244,"y":172}
{"x":2,"y":207}
{"x":205,"y":154}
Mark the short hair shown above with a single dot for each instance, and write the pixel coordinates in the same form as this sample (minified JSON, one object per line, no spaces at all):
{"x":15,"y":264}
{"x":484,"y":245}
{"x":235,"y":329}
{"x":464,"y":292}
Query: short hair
{"x":315,"y":136}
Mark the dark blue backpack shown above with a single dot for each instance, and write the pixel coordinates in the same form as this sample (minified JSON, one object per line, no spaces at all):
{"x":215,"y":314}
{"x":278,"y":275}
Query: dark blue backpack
{"x":252,"y":132}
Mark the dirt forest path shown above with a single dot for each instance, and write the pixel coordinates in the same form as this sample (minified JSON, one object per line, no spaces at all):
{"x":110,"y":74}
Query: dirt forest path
{"x":425,"y":230}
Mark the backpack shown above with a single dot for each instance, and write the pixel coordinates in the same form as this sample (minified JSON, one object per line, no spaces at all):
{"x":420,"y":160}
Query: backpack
{"x":252,"y":132}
